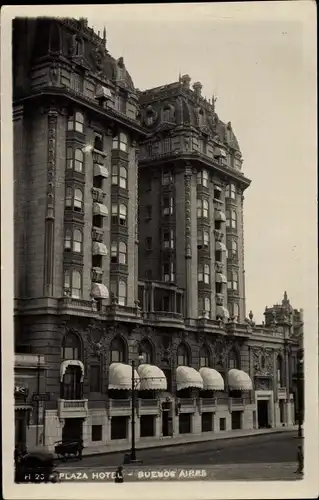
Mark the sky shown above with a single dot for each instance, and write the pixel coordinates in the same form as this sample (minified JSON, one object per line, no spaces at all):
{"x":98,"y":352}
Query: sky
{"x":260,"y":62}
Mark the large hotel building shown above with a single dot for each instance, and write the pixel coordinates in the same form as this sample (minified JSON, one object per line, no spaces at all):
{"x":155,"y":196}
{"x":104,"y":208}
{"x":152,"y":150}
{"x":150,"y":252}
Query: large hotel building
{"x":129,"y":247}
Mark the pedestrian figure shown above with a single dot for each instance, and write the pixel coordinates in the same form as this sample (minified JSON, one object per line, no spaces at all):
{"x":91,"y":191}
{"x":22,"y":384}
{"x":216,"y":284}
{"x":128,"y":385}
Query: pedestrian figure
{"x":119,"y":477}
{"x":80,"y":449}
{"x":300,"y":460}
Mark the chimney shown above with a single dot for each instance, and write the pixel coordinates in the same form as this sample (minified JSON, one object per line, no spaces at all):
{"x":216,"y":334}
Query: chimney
{"x":197,"y":87}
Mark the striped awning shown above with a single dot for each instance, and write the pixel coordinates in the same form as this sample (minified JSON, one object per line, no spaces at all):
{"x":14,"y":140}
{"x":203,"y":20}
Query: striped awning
{"x":219,"y":215}
{"x":239,"y":380}
{"x":71,"y":362}
{"x":99,"y":291}
{"x":100,"y":209}
{"x":220,"y":246}
{"x":99,"y":248}
{"x":100,"y":170}
{"x":213,"y":381}
{"x":222,"y":312}
{"x":120,"y":377}
{"x":188,"y":377}
{"x":151,"y":378}
{"x":220,"y":278}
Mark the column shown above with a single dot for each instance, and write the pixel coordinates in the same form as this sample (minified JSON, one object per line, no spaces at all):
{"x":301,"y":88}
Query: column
{"x":174,"y":301}
{"x":152,"y":298}
{"x":188,"y":241}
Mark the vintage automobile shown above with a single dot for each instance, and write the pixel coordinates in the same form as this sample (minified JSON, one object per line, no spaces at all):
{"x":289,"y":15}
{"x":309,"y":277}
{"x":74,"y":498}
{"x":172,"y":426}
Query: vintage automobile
{"x":36,"y":467}
{"x":67,"y":449}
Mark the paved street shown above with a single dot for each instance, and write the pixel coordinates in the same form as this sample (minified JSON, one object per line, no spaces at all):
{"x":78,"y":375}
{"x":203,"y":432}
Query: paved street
{"x":271,"y":456}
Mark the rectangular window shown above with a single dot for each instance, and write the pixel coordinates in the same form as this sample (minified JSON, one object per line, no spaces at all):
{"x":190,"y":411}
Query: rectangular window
{"x":95,"y":378}
{"x":168,"y":205}
{"x":96,"y":432}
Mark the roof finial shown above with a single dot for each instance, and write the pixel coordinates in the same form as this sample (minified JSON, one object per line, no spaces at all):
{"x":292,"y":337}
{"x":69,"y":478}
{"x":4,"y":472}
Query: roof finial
{"x":180,"y":77}
{"x":104,"y":34}
{"x":214,"y":99}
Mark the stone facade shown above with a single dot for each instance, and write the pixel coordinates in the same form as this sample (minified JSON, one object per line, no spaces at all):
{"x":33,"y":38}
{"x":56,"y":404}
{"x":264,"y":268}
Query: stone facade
{"x":129,"y":235}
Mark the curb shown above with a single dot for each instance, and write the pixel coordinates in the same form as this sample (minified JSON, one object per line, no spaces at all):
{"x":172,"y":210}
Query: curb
{"x":157,"y":446}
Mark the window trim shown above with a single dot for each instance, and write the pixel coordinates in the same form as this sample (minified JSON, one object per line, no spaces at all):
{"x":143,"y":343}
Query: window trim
{"x":115,"y":252}
{"x":120,"y":141}
{"x":120,"y":215}
{"x":74,"y":122}
{"x":117,"y":177}
{"x":202,"y":206}
{"x":69,"y":236}
{"x":72,"y":159}
{"x":70,"y":200}
{"x":202,"y":178}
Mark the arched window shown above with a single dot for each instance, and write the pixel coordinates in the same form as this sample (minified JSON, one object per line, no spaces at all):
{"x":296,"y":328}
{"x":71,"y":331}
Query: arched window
{"x":204,"y":273}
{"x":71,"y":347}
{"x":166,"y":114}
{"x":202,"y":208}
{"x":232,"y":280}
{"x":78,"y":200}
{"x":147,"y":351}
{"x":233,"y":219}
{"x":182,"y":355}
{"x":77,"y":240}
{"x":204,"y":305}
{"x":75,"y":159}
{"x":119,"y":176}
{"x":122,"y":296}
{"x":123,"y":177}
{"x":76,"y":284}
{"x":118,"y":350}
{"x":122,"y":253}
{"x":69,"y":197}
{"x":279,"y":371}
{"x":203,"y":356}
{"x":123,"y":214}
{"x":68,"y":240}
{"x":231,"y":191}
{"x":71,"y":387}
{"x":233,"y":360}
{"x":234,"y":249}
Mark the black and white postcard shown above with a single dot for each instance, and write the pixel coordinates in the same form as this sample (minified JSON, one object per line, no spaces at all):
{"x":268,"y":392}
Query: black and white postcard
{"x":159,"y":252}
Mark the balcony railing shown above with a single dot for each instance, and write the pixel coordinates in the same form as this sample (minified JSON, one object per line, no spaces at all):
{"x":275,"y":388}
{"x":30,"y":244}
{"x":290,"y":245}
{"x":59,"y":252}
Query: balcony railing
{"x":73,"y":408}
{"x":186,"y":405}
{"x":120,"y":403}
{"x":148,"y":407}
{"x":164,"y":316}
{"x":207,"y":404}
{"x":29,"y":360}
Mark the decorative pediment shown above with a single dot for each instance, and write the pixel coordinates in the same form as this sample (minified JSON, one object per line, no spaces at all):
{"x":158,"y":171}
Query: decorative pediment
{"x":82,"y":62}
{"x":163,"y":127}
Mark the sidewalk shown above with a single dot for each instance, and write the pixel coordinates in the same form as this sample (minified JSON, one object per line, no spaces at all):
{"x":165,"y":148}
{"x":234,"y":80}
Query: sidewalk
{"x":146,"y":443}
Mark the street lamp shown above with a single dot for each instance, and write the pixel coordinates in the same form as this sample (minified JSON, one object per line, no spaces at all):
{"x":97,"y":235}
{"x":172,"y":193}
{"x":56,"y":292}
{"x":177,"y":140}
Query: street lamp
{"x":300,"y":381}
{"x":133,"y":458}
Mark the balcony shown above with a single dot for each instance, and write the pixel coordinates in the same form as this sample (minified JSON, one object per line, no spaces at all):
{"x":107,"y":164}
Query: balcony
{"x":187,"y":405}
{"x":122,"y":313}
{"x":148,"y":407}
{"x":97,"y":234}
{"x":236,"y":404}
{"x":223,"y":401}
{"x":207,"y":404}
{"x":70,"y":305}
{"x":98,"y":195}
{"x":119,"y":407}
{"x":75,"y":408}
{"x":165,"y":318}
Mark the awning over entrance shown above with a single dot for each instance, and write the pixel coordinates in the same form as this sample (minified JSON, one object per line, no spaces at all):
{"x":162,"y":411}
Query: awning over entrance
{"x":100,"y":170}
{"x":188,"y":377}
{"x":99,"y":248}
{"x":99,"y":291}
{"x":239,"y":380}
{"x":100,"y":209}
{"x":220,"y":246}
{"x":152,"y":378}
{"x":222,"y":312}
{"x":120,"y":377}
{"x":213,"y":381}
{"x":71,"y":362}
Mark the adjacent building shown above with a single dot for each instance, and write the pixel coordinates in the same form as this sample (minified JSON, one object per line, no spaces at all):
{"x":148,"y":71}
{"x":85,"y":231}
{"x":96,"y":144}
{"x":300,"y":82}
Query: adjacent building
{"x":129,"y":245}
